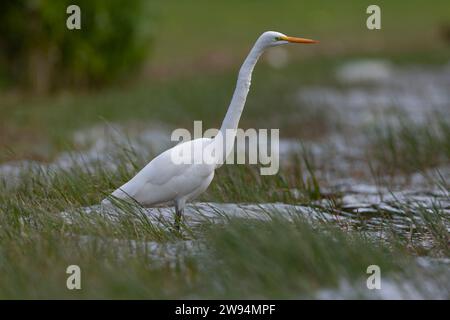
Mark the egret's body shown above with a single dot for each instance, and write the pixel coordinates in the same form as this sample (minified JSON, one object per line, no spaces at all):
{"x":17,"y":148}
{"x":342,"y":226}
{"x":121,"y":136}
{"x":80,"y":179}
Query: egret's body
{"x":162,"y":180}
{"x":165,"y":181}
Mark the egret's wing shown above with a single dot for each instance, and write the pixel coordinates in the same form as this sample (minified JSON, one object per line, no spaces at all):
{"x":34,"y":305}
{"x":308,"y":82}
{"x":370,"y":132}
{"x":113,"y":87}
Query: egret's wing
{"x":166,"y":167}
{"x":163,"y":179}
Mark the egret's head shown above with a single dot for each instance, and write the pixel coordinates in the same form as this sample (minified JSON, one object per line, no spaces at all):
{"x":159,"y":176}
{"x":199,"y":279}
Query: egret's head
{"x":273,"y":38}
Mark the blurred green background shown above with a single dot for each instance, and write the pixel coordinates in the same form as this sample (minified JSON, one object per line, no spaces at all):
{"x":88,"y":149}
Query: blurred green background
{"x":175,"y":60}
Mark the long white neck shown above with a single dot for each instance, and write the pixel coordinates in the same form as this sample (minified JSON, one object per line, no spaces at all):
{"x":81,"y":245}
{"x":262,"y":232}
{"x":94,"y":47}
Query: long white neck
{"x":231,"y":121}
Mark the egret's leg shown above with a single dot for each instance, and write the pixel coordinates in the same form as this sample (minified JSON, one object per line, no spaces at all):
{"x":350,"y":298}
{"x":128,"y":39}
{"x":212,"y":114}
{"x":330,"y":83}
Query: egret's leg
{"x":179,"y":208}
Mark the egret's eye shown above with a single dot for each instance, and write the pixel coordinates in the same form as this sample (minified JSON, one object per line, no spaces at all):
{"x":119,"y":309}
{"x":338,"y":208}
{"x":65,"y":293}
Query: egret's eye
{"x":278,"y":39}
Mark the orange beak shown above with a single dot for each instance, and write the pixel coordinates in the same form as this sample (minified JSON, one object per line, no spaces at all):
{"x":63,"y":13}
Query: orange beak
{"x":298,"y":40}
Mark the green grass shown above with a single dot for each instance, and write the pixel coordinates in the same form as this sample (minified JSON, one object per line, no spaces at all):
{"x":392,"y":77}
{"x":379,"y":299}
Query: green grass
{"x":278,"y":258}
{"x":231,"y":27}
{"x":404,"y":146}
{"x":291,"y":259}
{"x":241,"y":258}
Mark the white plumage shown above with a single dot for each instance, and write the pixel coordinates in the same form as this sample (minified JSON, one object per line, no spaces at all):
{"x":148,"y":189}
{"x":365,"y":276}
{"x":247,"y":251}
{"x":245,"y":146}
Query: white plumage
{"x":164,"y":180}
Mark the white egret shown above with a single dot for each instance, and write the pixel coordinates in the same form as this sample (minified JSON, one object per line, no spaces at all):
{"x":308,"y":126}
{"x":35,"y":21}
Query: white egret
{"x":162,"y":181}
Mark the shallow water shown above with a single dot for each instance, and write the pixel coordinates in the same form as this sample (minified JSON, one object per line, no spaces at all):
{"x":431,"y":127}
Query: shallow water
{"x":375,"y":211}
{"x":394,"y":287}
{"x":429,"y":279}
{"x":366,"y":94}
{"x":160,"y":253}
{"x":207,"y":212}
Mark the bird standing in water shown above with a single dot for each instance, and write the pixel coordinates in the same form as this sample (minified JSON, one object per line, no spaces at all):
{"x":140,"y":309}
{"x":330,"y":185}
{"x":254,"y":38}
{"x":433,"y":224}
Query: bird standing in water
{"x":163,"y":180}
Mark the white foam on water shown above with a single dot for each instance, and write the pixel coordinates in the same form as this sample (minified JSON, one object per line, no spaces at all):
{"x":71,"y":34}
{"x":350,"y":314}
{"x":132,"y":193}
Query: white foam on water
{"x":431,"y":283}
{"x":201,"y":212}
{"x":414,"y":91}
{"x":160,"y":253}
